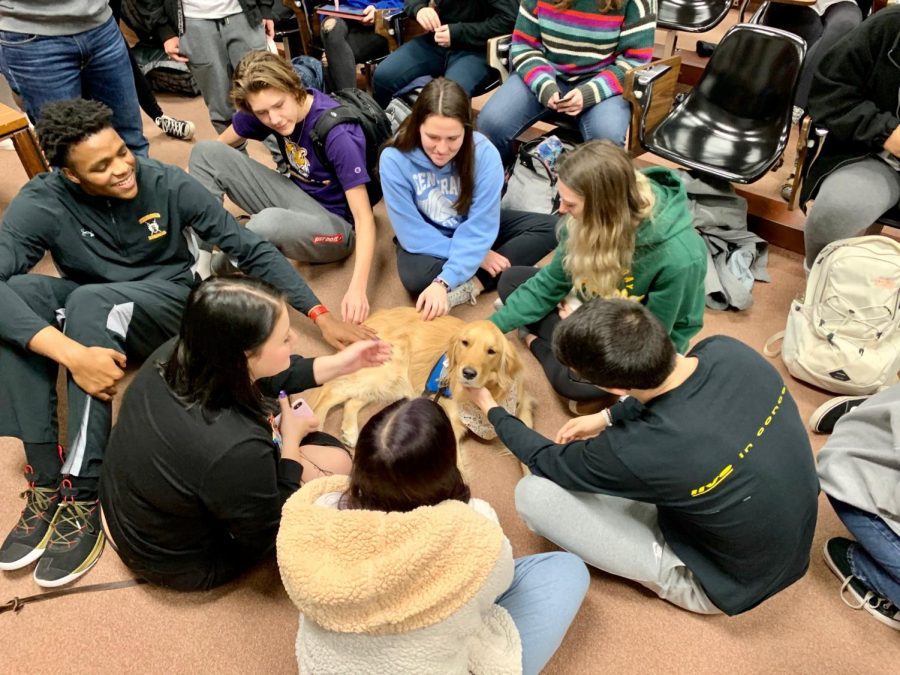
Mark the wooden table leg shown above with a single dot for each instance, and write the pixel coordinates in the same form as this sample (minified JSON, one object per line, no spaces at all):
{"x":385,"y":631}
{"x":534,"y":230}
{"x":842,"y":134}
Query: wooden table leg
{"x":29,"y":152}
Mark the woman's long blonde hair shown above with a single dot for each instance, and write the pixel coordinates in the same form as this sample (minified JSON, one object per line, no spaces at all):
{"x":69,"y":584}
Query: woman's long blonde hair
{"x":616,"y":200}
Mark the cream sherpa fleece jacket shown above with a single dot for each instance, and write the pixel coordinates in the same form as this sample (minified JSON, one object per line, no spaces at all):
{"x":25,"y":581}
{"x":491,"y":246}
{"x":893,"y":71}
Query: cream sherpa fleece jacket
{"x":397,"y":592}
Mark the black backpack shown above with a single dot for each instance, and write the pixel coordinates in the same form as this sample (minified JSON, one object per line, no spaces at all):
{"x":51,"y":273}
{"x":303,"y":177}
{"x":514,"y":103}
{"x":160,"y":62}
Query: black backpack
{"x":356,"y":107}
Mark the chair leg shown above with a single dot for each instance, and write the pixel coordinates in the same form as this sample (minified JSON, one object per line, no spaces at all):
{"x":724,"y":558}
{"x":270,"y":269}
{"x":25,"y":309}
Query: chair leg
{"x":670,"y":43}
{"x":368,"y":70}
{"x":795,"y":190}
{"x":29,"y":152}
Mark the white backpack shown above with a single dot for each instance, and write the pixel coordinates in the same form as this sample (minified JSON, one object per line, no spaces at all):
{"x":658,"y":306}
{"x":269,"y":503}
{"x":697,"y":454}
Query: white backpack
{"x":844,"y":334}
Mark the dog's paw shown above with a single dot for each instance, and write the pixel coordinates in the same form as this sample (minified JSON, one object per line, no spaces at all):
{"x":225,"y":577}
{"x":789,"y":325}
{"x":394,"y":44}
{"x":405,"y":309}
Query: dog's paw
{"x":349,"y":437}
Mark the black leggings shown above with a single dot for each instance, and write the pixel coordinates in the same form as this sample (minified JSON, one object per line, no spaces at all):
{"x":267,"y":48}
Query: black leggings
{"x":524,"y":238}
{"x":346,"y":44}
{"x":820,"y":33}
{"x":560,"y":377}
{"x":146,"y":97}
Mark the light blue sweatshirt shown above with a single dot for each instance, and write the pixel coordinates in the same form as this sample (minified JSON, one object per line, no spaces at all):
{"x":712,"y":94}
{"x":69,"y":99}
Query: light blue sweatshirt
{"x":419,"y":197}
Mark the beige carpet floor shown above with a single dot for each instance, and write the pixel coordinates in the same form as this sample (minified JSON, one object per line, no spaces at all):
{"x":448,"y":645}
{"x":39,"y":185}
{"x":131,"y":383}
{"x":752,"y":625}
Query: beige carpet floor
{"x":248,"y":626}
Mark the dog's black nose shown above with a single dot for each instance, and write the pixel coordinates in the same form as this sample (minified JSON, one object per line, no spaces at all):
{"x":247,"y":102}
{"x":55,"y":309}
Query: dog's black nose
{"x":469,"y":373}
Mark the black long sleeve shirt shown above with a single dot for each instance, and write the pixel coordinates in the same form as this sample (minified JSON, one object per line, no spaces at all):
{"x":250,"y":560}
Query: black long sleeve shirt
{"x":95,"y":240}
{"x":185,"y":489}
{"x":725,"y":458}
{"x":471,"y":23}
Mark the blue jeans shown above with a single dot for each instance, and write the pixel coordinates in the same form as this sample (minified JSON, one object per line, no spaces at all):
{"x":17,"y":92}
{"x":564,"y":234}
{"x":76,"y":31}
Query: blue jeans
{"x":93,"y":64}
{"x":543,"y":599}
{"x":420,"y":56}
{"x":875,"y":560}
{"x":514,"y":107}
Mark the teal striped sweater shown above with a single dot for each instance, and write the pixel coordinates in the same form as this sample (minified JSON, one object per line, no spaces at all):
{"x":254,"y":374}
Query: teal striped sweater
{"x":581,"y":45}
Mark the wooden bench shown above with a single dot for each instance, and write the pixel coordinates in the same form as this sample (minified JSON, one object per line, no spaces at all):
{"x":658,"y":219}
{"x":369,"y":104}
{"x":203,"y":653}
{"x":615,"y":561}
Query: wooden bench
{"x":14,"y":125}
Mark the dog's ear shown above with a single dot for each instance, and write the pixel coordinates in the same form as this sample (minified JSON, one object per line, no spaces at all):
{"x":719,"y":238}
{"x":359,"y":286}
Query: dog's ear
{"x":510,"y":363}
{"x":452,"y":348}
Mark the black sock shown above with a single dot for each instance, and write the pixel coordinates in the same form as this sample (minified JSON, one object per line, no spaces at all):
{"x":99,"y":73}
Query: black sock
{"x":45,"y":463}
{"x":84,"y":489}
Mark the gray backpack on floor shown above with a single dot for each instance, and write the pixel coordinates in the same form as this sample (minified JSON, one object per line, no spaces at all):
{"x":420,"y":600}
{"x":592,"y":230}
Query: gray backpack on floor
{"x":532,"y":182}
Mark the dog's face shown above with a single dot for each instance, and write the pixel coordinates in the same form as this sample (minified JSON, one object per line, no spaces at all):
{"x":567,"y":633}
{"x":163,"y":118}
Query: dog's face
{"x":481,"y":356}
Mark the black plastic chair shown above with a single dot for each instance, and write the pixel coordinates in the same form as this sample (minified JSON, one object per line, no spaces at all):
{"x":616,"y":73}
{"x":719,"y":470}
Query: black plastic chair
{"x":735,"y":123}
{"x":691,"y":16}
{"x":688,"y":16}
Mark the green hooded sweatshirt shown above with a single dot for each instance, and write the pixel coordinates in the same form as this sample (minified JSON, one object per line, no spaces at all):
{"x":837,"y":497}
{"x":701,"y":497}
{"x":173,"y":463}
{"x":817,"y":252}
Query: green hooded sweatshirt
{"x":668,"y":276}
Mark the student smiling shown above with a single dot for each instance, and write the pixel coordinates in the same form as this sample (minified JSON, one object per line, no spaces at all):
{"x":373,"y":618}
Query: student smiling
{"x":442,"y":183}
{"x":316,"y":213}
{"x":123,"y":233}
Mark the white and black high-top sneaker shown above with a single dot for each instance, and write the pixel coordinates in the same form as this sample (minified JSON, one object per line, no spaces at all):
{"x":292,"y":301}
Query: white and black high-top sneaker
{"x":181,"y":129}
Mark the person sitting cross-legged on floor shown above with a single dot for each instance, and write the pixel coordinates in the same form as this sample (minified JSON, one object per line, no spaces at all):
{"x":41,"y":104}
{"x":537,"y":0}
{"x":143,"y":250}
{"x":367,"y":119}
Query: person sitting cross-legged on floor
{"x":399,"y":570}
{"x":123,"y":232}
{"x":700,"y":485}
{"x":625,"y":233}
{"x":197,"y":468}
{"x":859,"y":468}
{"x":317,"y":212}
{"x":442,"y":183}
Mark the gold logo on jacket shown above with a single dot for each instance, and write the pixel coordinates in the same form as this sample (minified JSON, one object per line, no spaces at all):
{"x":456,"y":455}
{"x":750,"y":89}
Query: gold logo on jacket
{"x":153,"y":226}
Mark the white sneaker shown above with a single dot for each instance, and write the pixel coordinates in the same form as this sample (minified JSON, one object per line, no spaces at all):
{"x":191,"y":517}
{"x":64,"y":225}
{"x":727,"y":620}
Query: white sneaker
{"x":181,"y":129}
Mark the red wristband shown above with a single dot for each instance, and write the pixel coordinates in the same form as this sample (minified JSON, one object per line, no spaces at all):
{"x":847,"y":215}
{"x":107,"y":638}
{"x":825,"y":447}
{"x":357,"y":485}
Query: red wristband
{"x":316,"y":312}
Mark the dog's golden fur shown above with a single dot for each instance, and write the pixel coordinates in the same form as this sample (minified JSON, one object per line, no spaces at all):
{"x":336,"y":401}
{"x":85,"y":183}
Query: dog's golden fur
{"x":479,"y":356}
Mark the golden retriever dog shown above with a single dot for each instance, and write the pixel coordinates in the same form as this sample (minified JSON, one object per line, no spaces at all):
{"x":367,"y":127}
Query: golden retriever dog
{"x":417,"y":345}
{"x":478,"y":355}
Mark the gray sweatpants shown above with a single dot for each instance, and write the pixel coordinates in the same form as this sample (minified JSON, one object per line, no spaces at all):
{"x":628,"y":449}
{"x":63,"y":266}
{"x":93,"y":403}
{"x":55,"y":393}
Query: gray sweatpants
{"x":214,"y":47}
{"x":282,"y":213}
{"x":849,"y":202}
{"x":616,"y":535}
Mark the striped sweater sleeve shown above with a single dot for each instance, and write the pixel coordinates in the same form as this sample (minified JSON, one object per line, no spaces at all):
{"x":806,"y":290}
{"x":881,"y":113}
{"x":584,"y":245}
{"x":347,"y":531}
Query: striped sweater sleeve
{"x":527,"y":55}
{"x":635,"y":48}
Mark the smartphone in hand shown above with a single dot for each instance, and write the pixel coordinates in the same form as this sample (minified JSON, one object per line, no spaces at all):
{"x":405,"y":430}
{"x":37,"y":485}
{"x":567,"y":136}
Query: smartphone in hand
{"x":302,"y":408}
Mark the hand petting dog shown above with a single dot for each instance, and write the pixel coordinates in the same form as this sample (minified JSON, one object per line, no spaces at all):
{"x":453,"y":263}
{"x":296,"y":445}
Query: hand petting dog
{"x":481,"y":397}
{"x":363,"y":354}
